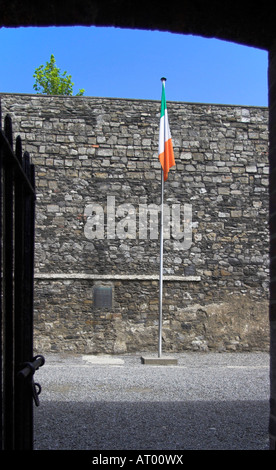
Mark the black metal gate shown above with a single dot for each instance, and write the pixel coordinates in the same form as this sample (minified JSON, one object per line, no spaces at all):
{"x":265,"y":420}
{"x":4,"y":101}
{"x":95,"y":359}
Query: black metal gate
{"x":17,"y":215}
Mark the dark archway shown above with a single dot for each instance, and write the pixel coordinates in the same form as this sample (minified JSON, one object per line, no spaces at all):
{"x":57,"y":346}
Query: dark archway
{"x":252,"y":25}
{"x":240,"y":22}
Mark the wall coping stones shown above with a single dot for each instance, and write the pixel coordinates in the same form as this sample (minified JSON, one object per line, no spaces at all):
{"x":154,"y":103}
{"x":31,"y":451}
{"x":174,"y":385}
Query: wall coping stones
{"x":108,"y":98}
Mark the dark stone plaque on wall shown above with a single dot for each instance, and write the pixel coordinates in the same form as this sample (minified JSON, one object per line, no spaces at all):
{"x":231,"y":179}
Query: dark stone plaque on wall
{"x":103,"y":296}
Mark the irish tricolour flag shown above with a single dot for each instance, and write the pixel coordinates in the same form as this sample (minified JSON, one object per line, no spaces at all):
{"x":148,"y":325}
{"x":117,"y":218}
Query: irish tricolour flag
{"x":166,"y":155}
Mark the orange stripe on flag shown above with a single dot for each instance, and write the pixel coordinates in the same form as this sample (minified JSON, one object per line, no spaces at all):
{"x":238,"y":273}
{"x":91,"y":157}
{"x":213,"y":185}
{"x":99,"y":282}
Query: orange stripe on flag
{"x":167,"y":158}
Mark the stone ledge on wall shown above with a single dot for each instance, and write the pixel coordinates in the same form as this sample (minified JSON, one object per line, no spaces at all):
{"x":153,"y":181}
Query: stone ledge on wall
{"x":118,"y":277}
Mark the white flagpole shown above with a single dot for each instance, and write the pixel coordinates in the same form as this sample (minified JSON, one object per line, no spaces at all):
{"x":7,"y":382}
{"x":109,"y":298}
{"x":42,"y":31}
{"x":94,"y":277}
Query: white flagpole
{"x":163,"y":79}
{"x":161,"y":268}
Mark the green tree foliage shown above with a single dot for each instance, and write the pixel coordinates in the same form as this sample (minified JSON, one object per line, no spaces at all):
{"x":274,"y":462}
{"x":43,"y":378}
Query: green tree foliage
{"x":49,"y":81}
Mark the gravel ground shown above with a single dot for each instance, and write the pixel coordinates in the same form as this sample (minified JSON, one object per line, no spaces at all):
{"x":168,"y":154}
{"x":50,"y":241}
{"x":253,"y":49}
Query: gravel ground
{"x":205,"y":402}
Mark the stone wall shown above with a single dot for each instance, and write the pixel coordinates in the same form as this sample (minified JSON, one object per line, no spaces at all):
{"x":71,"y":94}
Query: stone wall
{"x":96,"y":287}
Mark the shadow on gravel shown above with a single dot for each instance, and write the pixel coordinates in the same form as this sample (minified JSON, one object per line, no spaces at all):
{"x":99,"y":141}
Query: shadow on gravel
{"x":152,"y":425}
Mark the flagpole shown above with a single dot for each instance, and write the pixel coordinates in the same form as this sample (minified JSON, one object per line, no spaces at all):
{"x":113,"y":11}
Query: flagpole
{"x":166,"y":158}
{"x":163,"y":79}
{"x":161,"y":267}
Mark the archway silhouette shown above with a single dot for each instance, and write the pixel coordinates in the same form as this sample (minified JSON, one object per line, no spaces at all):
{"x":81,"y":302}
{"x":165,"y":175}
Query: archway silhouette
{"x":252,"y":25}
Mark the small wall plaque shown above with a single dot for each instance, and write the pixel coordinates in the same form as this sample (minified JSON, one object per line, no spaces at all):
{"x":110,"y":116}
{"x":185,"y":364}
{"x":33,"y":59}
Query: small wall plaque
{"x":103,"y":296}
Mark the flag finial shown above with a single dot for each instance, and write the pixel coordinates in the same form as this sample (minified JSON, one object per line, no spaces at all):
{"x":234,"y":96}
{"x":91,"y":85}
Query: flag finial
{"x":163,"y":79}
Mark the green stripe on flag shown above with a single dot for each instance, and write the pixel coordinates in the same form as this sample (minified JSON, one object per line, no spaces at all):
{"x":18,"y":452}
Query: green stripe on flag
{"x":163,"y":101}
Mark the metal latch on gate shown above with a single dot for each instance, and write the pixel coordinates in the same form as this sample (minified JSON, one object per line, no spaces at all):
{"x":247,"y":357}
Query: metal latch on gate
{"x":27,"y":373}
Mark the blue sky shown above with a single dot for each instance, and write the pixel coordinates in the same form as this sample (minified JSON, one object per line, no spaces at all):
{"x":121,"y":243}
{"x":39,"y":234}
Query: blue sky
{"x":115,"y":62}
